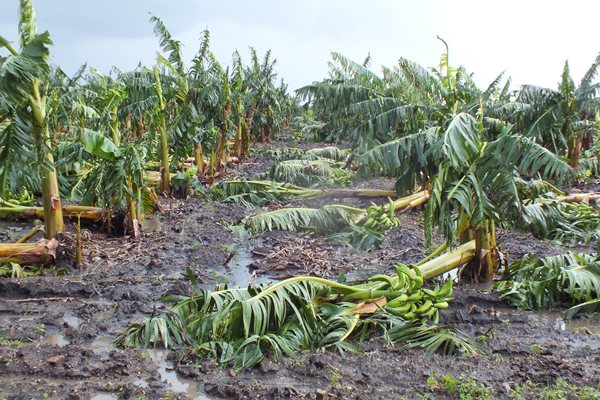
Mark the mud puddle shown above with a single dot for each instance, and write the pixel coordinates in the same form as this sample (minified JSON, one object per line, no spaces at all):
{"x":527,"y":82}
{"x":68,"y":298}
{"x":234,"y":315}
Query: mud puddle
{"x":237,"y":271}
{"x":11,"y":231}
{"x":54,"y":339}
{"x":102,"y":345}
{"x":554,"y":320}
{"x":176,"y":383}
{"x":104,"y":396}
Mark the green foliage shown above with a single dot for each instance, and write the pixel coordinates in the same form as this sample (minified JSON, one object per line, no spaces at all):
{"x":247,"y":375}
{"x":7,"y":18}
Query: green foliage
{"x":569,"y":279}
{"x":329,"y":152}
{"x":536,"y":349}
{"x":185,"y":182}
{"x":241,"y":325}
{"x":21,"y":72}
{"x":94,"y":119}
{"x":15,"y":270}
{"x":341,"y":224}
{"x":445,"y":339}
{"x":311,"y":173}
{"x":560,"y":390}
{"x":555,"y":117}
{"x":254,"y":193}
{"x":99,"y":145}
{"x":106,"y":183}
{"x":567,"y":222}
{"x":306,"y":126}
{"x":464,"y":388}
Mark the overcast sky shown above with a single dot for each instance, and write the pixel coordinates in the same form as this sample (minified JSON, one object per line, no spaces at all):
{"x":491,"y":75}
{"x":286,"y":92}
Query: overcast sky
{"x":529,"y":39}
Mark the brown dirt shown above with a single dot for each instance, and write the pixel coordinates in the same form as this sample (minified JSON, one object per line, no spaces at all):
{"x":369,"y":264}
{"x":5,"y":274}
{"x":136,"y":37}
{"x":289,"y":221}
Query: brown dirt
{"x":56,"y":332}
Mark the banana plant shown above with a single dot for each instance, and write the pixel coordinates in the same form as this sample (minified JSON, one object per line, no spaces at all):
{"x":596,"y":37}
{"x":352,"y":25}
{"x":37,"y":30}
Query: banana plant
{"x":23,"y":83}
{"x":563,"y":119}
{"x":198,"y":101}
{"x":405,"y":100}
{"x":116,"y":179}
{"x":263,"y":106}
{"x":240,"y":325}
{"x":572,"y":280}
{"x":70,"y":104}
{"x":161,"y":126}
{"x":108,"y":96}
{"x":361,"y":228}
{"x":174,"y":94}
{"x":473,"y":181}
{"x":241,"y":145}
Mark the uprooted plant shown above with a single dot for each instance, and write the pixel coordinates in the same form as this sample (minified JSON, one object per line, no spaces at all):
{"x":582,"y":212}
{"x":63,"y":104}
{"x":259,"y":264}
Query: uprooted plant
{"x":254,"y":193}
{"x":324,"y":166}
{"x":240,"y":325}
{"x":359,"y":227}
{"x":571,"y":280}
{"x":559,"y":218}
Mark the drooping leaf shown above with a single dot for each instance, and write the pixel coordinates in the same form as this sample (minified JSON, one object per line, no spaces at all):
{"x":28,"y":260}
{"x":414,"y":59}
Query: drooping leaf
{"x":99,"y":145}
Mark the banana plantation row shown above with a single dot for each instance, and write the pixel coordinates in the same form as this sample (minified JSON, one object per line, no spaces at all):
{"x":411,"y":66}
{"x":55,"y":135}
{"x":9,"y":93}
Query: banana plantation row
{"x":108,"y":148}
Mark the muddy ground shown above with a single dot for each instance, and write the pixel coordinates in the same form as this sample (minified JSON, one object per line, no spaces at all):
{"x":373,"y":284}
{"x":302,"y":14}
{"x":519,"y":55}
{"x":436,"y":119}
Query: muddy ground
{"x":56,"y":331}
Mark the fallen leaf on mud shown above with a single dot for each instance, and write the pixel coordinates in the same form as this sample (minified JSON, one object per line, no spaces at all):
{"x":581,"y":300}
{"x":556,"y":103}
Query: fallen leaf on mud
{"x":232,"y":373}
{"x":473,"y":309}
{"x":56,"y":359}
{"x":370,"y":307}
{"x":307,"y":256}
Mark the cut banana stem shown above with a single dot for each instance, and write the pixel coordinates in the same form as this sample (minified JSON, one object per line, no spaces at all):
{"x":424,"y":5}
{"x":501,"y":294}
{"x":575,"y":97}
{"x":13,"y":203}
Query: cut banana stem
{"x":434,"y":254}
{"x":447,"y":262}
{"x":42,"y":252}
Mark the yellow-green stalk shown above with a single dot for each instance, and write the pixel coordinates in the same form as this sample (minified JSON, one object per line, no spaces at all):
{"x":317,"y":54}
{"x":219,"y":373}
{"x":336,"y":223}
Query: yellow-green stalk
{"x":161,"y":122}
{"x":50,"y":193}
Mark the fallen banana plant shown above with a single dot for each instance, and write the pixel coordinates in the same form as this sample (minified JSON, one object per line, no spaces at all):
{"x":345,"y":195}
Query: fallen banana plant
{"x":571,"y":280}
{"x":240,"y":325}
{"x":359,"y":227}
{"x":311,"y":172}
{"x":328,"y":152}
{"x":290,"y":153}
{"x":42,"y":252}
{"x":568,"y":219}
{"x":148,"y":204}
{"x":83,"y":212}
{"x":257,"y":192}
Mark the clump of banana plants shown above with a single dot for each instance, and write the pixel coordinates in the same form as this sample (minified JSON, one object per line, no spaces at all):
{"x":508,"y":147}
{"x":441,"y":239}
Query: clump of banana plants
{"x":238,"y":326}
{"x":571,"y":280}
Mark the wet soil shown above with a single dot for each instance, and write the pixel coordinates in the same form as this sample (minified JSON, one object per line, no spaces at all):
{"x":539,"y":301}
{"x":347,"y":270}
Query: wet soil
{"x":56,"y":332}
